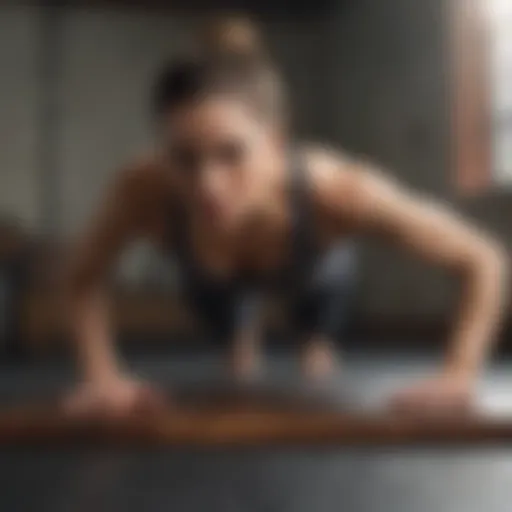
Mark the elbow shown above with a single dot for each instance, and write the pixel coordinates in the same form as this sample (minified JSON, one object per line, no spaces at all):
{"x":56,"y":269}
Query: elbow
{"x":496,"y":261}
{"x":490,"y":265}
{"x":501,"y":261}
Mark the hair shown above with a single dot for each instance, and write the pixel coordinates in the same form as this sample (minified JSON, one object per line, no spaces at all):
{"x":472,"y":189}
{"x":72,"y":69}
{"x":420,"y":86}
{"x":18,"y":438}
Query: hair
{"x":230,"y":59}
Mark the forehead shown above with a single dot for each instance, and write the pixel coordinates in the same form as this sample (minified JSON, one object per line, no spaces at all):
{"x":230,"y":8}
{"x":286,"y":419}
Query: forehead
{"x":214,"y":117}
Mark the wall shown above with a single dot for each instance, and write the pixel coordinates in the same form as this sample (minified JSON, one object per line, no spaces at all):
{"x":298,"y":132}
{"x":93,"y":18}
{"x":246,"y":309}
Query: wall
{"x":19,"y":103}
{"x":389,"y":77}
{"x":373,"y":78}
{"x":103,"y":63}
{"x":109,"y":62}
{"x":390,"y":66}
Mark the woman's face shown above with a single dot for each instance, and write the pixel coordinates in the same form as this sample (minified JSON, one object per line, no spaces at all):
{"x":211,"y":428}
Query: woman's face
{"x":221,"y":154}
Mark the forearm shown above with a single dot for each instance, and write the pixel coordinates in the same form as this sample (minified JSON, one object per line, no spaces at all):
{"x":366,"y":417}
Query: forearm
{"x":91,"y":332}
{"x":484,"y":296}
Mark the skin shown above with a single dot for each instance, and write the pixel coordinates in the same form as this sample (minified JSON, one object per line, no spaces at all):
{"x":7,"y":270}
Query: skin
{"x":236,"y":205}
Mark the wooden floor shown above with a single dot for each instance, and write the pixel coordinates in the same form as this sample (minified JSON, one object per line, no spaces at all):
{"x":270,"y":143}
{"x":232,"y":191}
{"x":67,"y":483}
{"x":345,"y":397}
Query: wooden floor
{"x":125,"y":475}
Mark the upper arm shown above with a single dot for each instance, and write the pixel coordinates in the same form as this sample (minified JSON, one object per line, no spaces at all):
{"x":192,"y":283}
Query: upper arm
{"x":371,"y":202}
{"x":118,"y":221}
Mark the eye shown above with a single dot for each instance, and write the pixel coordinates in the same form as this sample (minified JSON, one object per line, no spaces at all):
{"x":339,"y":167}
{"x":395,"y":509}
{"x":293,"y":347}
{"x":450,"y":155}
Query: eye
{"x":186,"y":158}
{"x":231,"y":152}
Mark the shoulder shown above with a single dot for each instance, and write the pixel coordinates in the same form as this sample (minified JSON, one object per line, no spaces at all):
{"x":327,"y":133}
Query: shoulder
{"x":327,"y":164}
{"x":345,"y":185}
{"x":334,"y":173}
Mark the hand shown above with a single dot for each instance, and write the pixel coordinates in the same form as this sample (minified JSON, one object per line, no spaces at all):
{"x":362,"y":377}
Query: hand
{"x":114,"y":397}
{"x":443,"y":395}
{"x":318,"y":359}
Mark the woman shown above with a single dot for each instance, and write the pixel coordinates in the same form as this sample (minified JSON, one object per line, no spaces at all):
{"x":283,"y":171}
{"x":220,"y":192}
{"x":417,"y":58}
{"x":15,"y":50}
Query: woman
{"x":242,"y":205}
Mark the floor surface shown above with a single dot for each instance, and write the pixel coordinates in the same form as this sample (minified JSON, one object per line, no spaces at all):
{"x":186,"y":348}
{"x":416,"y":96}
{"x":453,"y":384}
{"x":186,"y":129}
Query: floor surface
{"x":300,"y":480}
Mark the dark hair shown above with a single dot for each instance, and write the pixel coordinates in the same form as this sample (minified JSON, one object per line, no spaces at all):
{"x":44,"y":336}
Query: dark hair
{"x":230,"y":60}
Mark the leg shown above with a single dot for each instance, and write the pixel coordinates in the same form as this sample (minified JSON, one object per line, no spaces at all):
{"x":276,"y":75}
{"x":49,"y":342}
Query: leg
{"x":231,"y":319}
{"x":317,"y":344}
{"x":327,"y":318}
{"x":245,"y":360}
{"x":324,"y":311}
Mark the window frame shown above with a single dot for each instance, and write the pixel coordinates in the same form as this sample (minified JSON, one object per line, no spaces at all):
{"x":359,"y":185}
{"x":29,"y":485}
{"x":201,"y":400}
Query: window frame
{"x":471,"y":97}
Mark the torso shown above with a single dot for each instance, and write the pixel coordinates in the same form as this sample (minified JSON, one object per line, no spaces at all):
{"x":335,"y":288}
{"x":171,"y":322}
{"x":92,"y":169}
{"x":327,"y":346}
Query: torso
{"x":293,"y":242}
{"x":290,"y":245}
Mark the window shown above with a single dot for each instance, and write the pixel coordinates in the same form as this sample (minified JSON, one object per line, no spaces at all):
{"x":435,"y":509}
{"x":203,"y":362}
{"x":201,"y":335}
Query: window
{"x":500,"y":18}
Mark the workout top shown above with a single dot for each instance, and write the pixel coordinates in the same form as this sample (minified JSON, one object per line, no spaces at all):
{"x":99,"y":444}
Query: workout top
{"x":302,"y":243}
{"x":296,"y":274}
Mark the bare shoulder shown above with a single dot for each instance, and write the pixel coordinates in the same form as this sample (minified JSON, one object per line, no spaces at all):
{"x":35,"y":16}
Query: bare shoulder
{"x":339,"y":179}
{"x":327,"y":165}
{"x":349,"y":190}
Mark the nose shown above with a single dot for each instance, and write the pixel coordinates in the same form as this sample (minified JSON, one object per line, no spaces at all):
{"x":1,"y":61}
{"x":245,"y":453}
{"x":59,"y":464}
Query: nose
{"x":211,"y":189}
{"x":210,"y":182}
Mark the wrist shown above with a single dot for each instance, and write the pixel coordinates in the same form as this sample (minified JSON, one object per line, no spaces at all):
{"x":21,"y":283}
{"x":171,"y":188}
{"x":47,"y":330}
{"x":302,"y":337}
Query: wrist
{"x":463,"y":373}
{"x":102,"y":371}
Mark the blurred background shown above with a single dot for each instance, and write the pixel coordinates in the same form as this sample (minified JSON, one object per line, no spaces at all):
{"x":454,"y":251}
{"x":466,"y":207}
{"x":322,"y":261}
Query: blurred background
{"x":422,"y":88}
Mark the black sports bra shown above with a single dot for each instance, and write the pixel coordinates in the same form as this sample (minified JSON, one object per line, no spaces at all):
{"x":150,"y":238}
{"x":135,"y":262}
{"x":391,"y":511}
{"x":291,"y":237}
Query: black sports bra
{"x":303,"y":246}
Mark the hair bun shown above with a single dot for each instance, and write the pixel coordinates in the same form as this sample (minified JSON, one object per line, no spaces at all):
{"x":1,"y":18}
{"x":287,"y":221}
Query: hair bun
{"x":232,"y":36}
